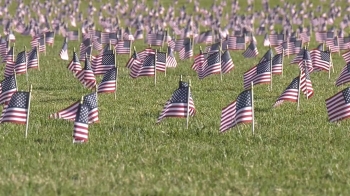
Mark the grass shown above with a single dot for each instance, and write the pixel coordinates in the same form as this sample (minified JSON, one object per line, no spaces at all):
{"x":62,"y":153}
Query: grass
{"x":292,"y":152}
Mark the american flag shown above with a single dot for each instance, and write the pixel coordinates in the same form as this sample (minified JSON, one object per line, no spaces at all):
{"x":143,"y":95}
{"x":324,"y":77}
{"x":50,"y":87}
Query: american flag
{"x":33,"y":61}
{"x":74,"y":65}
{"x":96,"y":43}
{"x":81,"y":124}
{"x":108,"y":83}
{"x":259,"y":74}
{"x":338,"y":105}
{"x":155,"y":39}
{"x":213,"y":48}
{"x":171,"y":60}
{"x":344,"y":76}
{"x":306,"y":61}
{"x":277,"y":64}
{"x":10,"y":55}
{"x":7,"y":88}
{"x":86,"y":76}
{"x":276,"y":39}
{"x":236,"y":43}
{"x":290,"y":94}
{"x":237,"y":112}
{"x":34,"y":41}
{"x":146,"y":68}
{"x":199,"y":60}
{"x":142,"y":55}
{"x":226,"y":62}
{"x":127,"y":35}
{"x":305,"y":37}
{"x":333,"y":44}
{"x":123,"y":47}
{"x":177,"y":105}
{"x":180,"y":43}
{"x":9,"y":67}
{"x":267,"y":40}
{"x":42,"y":44}
{"x":49,"y":37}
{"x":321,"y":60}
{"x":64,"y":51}
{"x":113,"y":38}
{"x":251,"y":51}
{"x":161,"y":61}
{"x":134,"y":59}
{"x":205,"y":37}
{"x":73,"y":35}
{"x":211,"y":65}
{"x":283,"y":48}
{"x":186,"y":52}
{"x":105,"y":37}
{"x":346,"y":56}
{"x":17,"y":109}
{"x":21,"y":63}
{"x":321,"y":36}
{"x":344,"y":43}
{"x":299,"y":56}
{"x":305,"y":83}
{"x":70,"y":112}
{"x":3,"y":47}
{"x":108,"y":62}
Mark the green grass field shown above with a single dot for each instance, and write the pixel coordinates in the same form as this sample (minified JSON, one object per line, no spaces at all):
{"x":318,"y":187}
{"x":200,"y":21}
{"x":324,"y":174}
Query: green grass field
{"x":292,"y":152}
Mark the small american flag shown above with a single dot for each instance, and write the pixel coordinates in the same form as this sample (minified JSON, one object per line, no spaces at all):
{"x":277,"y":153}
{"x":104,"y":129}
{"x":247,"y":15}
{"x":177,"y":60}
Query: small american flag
{"x":85,"y":48}
{"x":155,"y":39}
{"x":73,"y":35}
{"x":306,"y":61}
{"x":9,"y":67}
{"x":42,"y":44}
{"x":321,"y":60}
{"x":171,"y":60}
{"x":251,"y":51}
{"x":259,"y":74}
{"x":211,"y":65}
{"x":134,"y":59}
{"x":3,"y":47}
{"x":161,"y":61}
{"x":290,"y":94}
{"x":277,"y":64}
{"x":17,"y":109}
{"x":64,"y":51}
{"x":8,"y":87}
{"x":123,"y":47}
{"x":344,"y":43}
{"x":198,"y":60}
{"x":10,"y":55}
{"x":236,"y":43}
{"x":321,"y":36}
{"x":70,"y":112}
{"x":127,"y":35}
{"x":346,"y":56}
{"x":344,"y":76}
{"x":108,"y":83}
{"x":86,"y":76}
{"x":305,"y":83}
{"x":49,"y":37}
{"x":186,"y":52}
{"x":74,"y":65}
{"x":237,"y":112}
{"x":108,"y":62}
{"x":299,"y":56}
{"x":32,"y":57}
{"x":338,"y":105}
{"x":333,"y":44}
{"x":21,"y":63}
{"x":177,"y":105}
{"x":81,"y":124}
{"x":226,"y":62}
{"x":267,"y":56}
{"x":148,"y":66}
{"x":276,"y":39}
{"x":96,"y":43}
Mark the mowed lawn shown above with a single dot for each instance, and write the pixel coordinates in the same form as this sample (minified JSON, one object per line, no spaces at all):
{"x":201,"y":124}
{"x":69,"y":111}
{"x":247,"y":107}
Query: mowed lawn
{"x":291,"y":153}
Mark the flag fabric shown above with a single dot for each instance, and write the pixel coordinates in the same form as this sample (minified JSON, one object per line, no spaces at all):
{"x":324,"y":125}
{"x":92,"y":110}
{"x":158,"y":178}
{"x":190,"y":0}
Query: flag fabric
{"x":277,"y":64}
{"x":34,"y":42}
{"x":64,"y":52}
{"x":171,"y":60}
{"x":321,"y":36}
{"x":305,"y":83}
{"x":306,"y":61}
{"x":155,"y":39}
{"x":7,"y":88}
{"x":344,"y":76}
{"x":108,"y":83}
{"x":259,"y":74}
{"x":127,"y":35}
{"x":333,"y":44}
{"x":3,"y":48}
{"x":73,"y":35}
{"x":17,"y":109}
{"x":267,"y":56}
{"x":146,"y":68}
{"x":9,"y":55}
{"x":107,"y":62}
{"x":226,"y":62}
{"x":251,"y":51}
{"x":161,"y":58}
{"x":85,"y":48}
{"x":74,"y":66}
{"x":81,"y":124}
{"x":21,"y":63}
{"x":276,"y":39}
{"x":42,"y":43}
{"x":346,"y":56}
{"x":291,"y":93}
{"x":338,"y":105}
{"x":177,"y":105}
{"x":236,"y":43}
{"x":134,"y":59}
{"x":86,"y":75}
{"x":321,"y":60}
{"x":9,"y":67}
{"x":299,"y":56}
{"x":32,"y":57}
{"x":123,"y":47}
{"x":211,"y":65}
{"x":186,"y":52}
{"x":344,"y":43}
{"x":49,"y":37}
{"x":70,"y":112}
{"x":237,"y":112}
{"x":199,"y":60}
